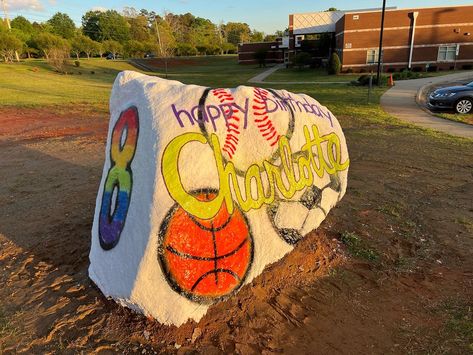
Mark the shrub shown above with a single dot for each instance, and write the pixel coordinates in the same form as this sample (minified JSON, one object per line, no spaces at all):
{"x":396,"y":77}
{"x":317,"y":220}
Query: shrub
{"x":334,"y":65}
{"x":432,"y":68}
{"x":467,"y":66}
{"x":57,"y":58}
{"x":349,"y":70}
{"x":302,"y":59}
{"x":417,"y":69}
{"x":364,"y":80}
{"x":391,"y":70}
{"x":77,"y":63}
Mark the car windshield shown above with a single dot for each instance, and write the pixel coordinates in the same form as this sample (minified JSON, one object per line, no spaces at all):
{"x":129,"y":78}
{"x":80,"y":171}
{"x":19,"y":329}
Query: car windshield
{"x":470,"y":84}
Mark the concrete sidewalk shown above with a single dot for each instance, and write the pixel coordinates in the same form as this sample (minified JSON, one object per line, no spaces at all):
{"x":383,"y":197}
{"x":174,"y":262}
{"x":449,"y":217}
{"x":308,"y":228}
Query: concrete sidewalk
{"x":400,"y":101}
{"x":259,"y":79}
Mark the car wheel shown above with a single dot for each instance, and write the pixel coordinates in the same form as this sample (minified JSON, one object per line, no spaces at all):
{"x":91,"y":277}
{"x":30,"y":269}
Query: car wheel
{"x":464,"y":106}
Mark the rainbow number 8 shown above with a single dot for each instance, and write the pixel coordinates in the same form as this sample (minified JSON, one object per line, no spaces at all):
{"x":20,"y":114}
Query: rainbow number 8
{"x":119,"y":182}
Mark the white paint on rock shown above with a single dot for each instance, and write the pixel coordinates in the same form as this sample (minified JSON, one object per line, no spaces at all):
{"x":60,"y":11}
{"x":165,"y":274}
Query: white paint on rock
{"x":130,"y":271}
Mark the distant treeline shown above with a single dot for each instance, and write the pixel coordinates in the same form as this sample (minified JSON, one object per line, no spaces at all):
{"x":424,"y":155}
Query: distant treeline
{"x":130,"y":33}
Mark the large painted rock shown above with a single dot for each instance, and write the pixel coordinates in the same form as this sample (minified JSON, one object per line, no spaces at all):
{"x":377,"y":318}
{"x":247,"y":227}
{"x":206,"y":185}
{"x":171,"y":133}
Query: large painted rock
{"x":202,"y":188}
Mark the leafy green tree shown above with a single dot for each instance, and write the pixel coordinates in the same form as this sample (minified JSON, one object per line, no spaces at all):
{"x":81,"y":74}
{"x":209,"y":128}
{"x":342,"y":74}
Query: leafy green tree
{"x":133,"y":49}
{"x":9,"y":44}
{"x":112,"y":47}
{"x":48,"y":43}
{"x":228,"y":48}
{"x":20,"y":23}
{"x":77,"y":45}
{"x":185,"y":49}
{"x":83,"y":44}
{"x":139,"y":29}
{"x":256,"y":36}
{"x":62,"y":25}
{"x":102,"y":26}
{"x":237,"y":32}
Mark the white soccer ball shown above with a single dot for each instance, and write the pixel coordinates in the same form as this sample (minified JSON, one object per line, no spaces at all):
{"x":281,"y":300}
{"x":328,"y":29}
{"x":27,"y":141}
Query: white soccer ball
{"x":295,"y":218}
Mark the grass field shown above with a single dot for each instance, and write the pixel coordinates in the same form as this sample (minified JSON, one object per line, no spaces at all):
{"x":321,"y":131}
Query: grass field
{"x":308,"y":74}
{"x":468,"y":119}
{"x":33,"y":83}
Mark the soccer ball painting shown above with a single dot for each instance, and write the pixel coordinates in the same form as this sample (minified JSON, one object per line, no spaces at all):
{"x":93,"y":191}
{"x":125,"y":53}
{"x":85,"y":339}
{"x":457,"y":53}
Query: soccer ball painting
{"x":294,"y":219}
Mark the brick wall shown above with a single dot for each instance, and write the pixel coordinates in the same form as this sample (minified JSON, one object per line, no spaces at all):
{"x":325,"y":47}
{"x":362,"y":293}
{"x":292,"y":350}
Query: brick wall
{"x":434,"y":27}
{"x":246,"y":52}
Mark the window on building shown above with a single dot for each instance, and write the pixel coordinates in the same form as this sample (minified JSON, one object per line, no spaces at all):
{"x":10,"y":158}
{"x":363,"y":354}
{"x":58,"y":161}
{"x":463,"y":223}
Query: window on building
{"x":372,"y":56}
{"x":447,"y":53}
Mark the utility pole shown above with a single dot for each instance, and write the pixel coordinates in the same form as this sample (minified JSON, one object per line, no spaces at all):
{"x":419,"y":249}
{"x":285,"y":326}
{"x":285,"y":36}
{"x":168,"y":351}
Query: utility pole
{"x":380,"y":51}
{"x":161,"y":48}
{"x":5,"y":13}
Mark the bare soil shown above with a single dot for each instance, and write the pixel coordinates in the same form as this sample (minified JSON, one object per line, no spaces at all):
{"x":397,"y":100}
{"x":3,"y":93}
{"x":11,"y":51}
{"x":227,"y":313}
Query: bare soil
{"x":389,"y":271}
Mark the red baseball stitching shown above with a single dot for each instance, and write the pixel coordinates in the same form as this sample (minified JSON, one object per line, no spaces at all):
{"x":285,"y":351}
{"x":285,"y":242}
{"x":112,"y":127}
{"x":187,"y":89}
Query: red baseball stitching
{"x":233,"y":121}
{"x":264,"y":124}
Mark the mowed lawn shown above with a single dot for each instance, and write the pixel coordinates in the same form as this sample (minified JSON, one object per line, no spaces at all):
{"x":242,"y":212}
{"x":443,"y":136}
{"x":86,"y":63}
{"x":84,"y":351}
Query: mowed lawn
{"x":35,"y":83}
{"x":308,"y":75}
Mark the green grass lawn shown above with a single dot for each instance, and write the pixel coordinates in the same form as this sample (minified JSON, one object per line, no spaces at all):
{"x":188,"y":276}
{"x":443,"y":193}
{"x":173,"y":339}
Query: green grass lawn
{"x":309,"y":74}
{"x":468,"y":119}
{"x":213,"y":71}
{"x":34,"y":83}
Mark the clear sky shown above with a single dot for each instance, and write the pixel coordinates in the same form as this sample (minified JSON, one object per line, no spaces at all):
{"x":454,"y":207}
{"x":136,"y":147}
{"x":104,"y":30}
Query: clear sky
{"x":263,"y":15}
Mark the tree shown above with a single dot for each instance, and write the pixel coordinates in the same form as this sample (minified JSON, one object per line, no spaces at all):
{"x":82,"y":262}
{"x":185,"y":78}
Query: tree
{"x":237,"y":32}
{"x":9,"y":44}
{"x":48,"y":42}
{"x":166,"y":41}
{"x":139,"y":29}
{"x":256,"y":36}
{"x":102,"y":26}
{"x":185,"y":49}
{"x":22,"y":24}
{"x":334,"y":65}
{"x":228,"y":48}
{"x":77,"y":45}
{"x":133,"y":49}
{"x":113,"y":47}
{"x":83,"y":44}
{"x":62,"y":25}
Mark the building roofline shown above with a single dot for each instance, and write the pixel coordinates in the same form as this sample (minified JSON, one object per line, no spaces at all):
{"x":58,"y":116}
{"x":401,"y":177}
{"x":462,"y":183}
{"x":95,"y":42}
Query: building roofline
{"x":411,"y":8}
{"x":391,"y":8}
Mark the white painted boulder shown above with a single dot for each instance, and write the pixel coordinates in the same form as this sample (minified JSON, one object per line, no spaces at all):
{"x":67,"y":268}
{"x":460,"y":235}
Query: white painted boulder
{"x":202,"y":188}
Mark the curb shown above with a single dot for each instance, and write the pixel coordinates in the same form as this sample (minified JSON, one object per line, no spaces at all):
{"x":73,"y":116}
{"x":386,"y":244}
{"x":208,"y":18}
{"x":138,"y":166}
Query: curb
{"x":421,"y":96}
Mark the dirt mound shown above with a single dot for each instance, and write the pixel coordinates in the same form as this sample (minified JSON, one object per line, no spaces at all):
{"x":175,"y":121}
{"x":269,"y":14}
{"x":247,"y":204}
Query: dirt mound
{"x":390,"y":270}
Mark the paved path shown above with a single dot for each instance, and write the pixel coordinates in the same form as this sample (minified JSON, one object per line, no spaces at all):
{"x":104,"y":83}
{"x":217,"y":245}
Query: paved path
{"x":400,"y":101}
{"x":259,"y":79}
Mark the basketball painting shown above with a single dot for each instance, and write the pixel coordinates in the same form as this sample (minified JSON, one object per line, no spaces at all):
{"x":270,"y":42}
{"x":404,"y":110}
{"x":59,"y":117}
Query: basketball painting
{"x":205,"y":260}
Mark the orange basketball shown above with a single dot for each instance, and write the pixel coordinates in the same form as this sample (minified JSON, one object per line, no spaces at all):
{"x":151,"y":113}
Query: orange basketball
{"x":205,"y":260}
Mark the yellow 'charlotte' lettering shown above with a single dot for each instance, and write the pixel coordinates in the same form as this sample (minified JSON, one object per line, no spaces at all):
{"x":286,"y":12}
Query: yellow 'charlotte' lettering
{"x":170,"y":170}
{"x":307,"y":164}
